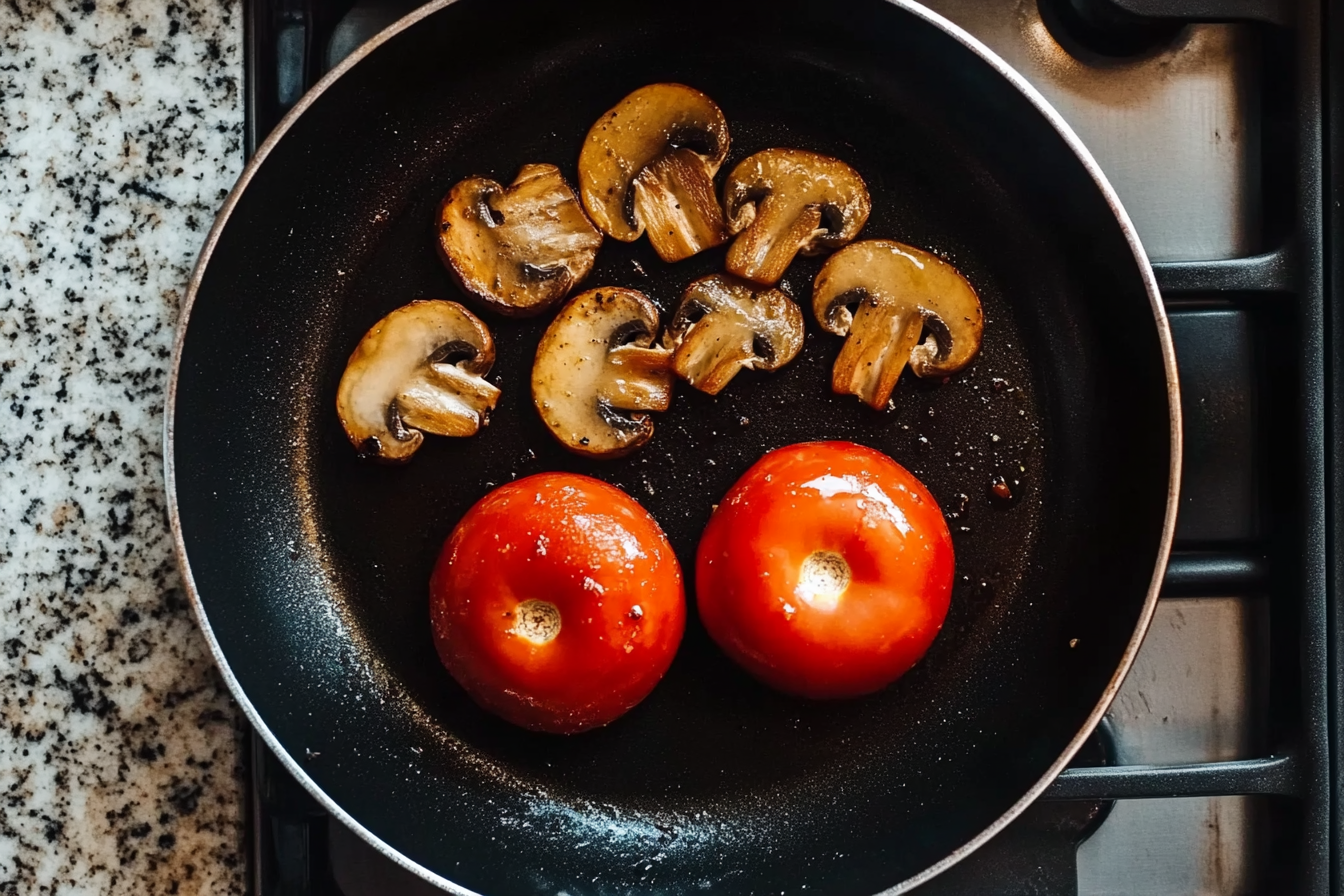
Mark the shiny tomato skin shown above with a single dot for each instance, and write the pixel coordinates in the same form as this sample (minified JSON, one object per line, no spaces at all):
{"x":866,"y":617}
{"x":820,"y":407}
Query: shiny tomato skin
{"x":593,"y":554}
{"x":818,"y":499}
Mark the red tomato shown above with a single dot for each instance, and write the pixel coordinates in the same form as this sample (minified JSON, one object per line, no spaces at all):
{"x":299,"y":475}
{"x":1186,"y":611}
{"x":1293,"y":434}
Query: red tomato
{"x":557,"y":602}
{"x":826,"y":571}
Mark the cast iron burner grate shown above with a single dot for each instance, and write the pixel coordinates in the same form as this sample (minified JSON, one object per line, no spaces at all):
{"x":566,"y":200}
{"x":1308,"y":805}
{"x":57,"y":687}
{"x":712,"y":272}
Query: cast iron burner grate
{"x":1257,"y":349}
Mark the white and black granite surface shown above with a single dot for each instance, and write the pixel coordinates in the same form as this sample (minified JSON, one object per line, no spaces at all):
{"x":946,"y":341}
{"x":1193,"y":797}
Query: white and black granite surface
{"x":120,"y":134}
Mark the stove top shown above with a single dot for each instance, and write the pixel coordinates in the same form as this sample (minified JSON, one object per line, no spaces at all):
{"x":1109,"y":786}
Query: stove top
{"x":1211,"y":774}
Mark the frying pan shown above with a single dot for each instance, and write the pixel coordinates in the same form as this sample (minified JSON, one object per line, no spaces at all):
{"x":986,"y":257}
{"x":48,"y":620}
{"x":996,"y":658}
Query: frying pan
{"x":308,"y":568}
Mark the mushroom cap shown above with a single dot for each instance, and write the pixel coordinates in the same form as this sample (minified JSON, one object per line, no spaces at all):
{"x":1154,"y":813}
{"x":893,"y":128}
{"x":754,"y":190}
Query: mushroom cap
{"x":596,"y":363}
{"x":899,"y":292}
{"x":784,"y":201}
{"x":639,"y":130}
{"x":521,"y":249}
{"x":419,"y":369}
{"x":725,"y":324}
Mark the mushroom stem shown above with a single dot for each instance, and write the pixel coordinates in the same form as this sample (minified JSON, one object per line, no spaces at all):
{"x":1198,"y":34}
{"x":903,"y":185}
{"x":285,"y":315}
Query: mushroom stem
{"x":675,"y":200}
{"x":872,"y":358}
{"x":446,"y":400}
{"x":715,"y":355}
{"x":641,"y":379}
{"x":765,"y":255}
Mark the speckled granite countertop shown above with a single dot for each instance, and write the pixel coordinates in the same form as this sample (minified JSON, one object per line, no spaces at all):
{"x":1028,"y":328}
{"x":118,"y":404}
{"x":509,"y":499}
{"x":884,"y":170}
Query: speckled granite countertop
{"x":120,"y":134}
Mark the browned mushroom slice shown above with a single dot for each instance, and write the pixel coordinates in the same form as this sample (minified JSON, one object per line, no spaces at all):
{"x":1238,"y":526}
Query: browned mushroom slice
{"x":726,"y":324}
{"x":420,"y":369}
{"x":650,"y":162}
{"x":597,"y":373}
{"x":521,"y":249}
{"x":784,"y":201}
{"x":898,"y":293}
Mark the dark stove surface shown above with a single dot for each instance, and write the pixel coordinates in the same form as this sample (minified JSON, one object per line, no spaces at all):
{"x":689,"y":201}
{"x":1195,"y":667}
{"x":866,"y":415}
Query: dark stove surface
{"x":1251,"y":338}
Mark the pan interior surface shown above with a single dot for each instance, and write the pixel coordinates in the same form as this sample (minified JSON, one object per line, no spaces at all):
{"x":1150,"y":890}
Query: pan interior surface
{"x":311,"y":566}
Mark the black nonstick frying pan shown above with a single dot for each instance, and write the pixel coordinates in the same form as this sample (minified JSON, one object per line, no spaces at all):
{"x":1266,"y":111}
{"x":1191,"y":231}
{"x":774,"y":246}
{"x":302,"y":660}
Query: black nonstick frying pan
{"x":309,"y":567}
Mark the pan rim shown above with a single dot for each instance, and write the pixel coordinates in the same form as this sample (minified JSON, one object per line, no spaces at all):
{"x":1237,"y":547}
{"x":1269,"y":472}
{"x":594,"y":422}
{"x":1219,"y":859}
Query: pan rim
{"x":1075,"y":145}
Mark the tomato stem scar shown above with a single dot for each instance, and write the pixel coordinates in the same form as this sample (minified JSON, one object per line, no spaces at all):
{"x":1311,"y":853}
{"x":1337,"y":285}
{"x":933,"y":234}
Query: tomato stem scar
{"x":822,"y":580}
{"x":537,"y":621}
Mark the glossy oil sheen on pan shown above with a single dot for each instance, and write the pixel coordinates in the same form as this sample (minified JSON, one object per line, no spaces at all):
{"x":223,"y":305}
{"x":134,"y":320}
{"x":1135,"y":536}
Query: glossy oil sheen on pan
{"x":308,"y":568}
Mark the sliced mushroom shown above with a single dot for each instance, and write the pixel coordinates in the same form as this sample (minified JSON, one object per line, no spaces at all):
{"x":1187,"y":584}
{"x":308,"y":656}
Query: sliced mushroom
{"x":725,"y":324}
{"x":597,"y":369}
{"x":784,"y":201}
{"x":650,"y":162}
{"x":898,"y":293}
{"x":420,"y":369}
{"x":521,"y":249}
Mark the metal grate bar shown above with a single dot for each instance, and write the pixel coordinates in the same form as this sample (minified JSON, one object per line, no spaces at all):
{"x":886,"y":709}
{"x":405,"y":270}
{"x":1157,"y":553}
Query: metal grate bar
{"x":1275,"y":775}
{"x":1215,"y":574}
{"x":1271,"y":272}
{"x":1272,"y":12}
